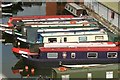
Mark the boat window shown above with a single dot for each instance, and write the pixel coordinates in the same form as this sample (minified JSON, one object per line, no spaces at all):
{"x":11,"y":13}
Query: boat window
{"x":65,"y":77}
{"x":66,"y":6}
{"x":112,"y":54}
{"x":51,"y":40}
{"x":99,"y":38}
{"x":112,"y":14}
{"x":71,"y":10}
{"x":82,"y":38}
{"x":52,"y":55}
{"x":92,"y":55}
{"x":73,"y":55}
{"x":65,"y":39}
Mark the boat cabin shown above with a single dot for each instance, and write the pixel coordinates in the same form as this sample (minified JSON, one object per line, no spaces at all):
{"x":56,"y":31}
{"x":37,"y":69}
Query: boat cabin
{"x":93,"y":53}
{"x":75,"y":9}
{"x":55,"y":57}
{"x":65,"y":36}
{"x":79,"y":36}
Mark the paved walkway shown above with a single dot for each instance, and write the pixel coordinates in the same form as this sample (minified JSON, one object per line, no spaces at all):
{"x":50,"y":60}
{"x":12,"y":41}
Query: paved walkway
{"x":109,"y":26}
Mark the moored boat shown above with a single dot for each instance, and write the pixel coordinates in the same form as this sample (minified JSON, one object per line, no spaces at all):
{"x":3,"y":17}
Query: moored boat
{"x":20,"y":18}
{"x":54,"y":57}
{"x":75,"y":9}
{"x":87,"y":72}
{"x":63,"y":37}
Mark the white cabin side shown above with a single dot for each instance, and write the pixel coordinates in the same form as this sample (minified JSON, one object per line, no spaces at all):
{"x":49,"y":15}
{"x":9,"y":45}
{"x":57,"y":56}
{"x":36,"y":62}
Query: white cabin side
{"x":76,"y":38}
{"x":74,"y":9}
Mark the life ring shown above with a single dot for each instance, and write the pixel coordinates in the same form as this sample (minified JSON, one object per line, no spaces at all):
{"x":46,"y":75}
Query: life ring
{"x":62,"y":69}
{"x":72,"y":22}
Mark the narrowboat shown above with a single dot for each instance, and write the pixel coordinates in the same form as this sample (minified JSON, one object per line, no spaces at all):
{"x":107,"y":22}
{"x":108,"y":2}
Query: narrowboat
{"x":87,"y":72}
{"x":42,"y":28}
{"x":20,"y":18}
{"x":48,"y":24}
{"x":16,"y":31}
{"x":27,"y":50}
{"x":74,"y":20}
{"x":19,"y":31}
{"x":54,"y":57}
{"x":84,"y":25}
{"x":62,"y":37}
{"x":50,"y":20}
{"x":75,"y":9}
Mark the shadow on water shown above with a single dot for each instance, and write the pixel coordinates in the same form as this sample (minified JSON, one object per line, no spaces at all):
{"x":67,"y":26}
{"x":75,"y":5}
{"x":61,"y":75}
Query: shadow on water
{"x":14,"y":9}
{"x":24,"y":71}
{"x":20,"y":7}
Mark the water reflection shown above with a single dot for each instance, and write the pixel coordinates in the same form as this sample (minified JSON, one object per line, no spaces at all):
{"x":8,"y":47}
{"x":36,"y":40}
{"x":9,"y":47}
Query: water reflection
{"x":21,"y":8}
{"x":13,"y":10}
{"x":28,"y":71}
{"x":8,"y":58}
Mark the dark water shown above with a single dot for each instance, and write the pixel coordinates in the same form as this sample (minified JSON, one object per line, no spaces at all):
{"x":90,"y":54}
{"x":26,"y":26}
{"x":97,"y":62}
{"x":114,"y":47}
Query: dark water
{"x":8,"y":60}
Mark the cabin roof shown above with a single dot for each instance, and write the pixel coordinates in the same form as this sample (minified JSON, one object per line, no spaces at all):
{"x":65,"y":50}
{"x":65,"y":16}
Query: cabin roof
{"x":71,"y":33}
{"x":77,"y":49}
{"x":75,"y":6}
{"x":82,"y":44}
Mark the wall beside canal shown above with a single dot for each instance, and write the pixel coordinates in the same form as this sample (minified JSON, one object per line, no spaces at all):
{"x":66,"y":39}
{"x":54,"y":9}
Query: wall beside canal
{"x":104,"y":10}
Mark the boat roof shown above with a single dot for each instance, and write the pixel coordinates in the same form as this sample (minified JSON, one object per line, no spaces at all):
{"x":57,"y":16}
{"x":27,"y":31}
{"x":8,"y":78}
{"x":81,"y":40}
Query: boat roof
{"x":64,"y":30}
{"x":17,"y":18}
{"x":77,"y":49}
{"x":41,"y":17}
{"x":72,"y":33}
{"x":74,"y":45}
{"x":59,"y":22}
{"x":59,"y":19}
{"x":62,"y":25}
{"x":75,"y":6}
{"x":96,"y":46}
{"x":85,"y":65}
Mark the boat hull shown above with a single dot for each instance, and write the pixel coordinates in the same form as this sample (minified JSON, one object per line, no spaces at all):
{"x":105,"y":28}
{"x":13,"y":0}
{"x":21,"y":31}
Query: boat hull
{"x":42,"y":63}
{"x":19,"y":51}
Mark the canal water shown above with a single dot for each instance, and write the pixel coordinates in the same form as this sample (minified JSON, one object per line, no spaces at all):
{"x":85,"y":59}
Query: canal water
{"x":9,"y":62}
